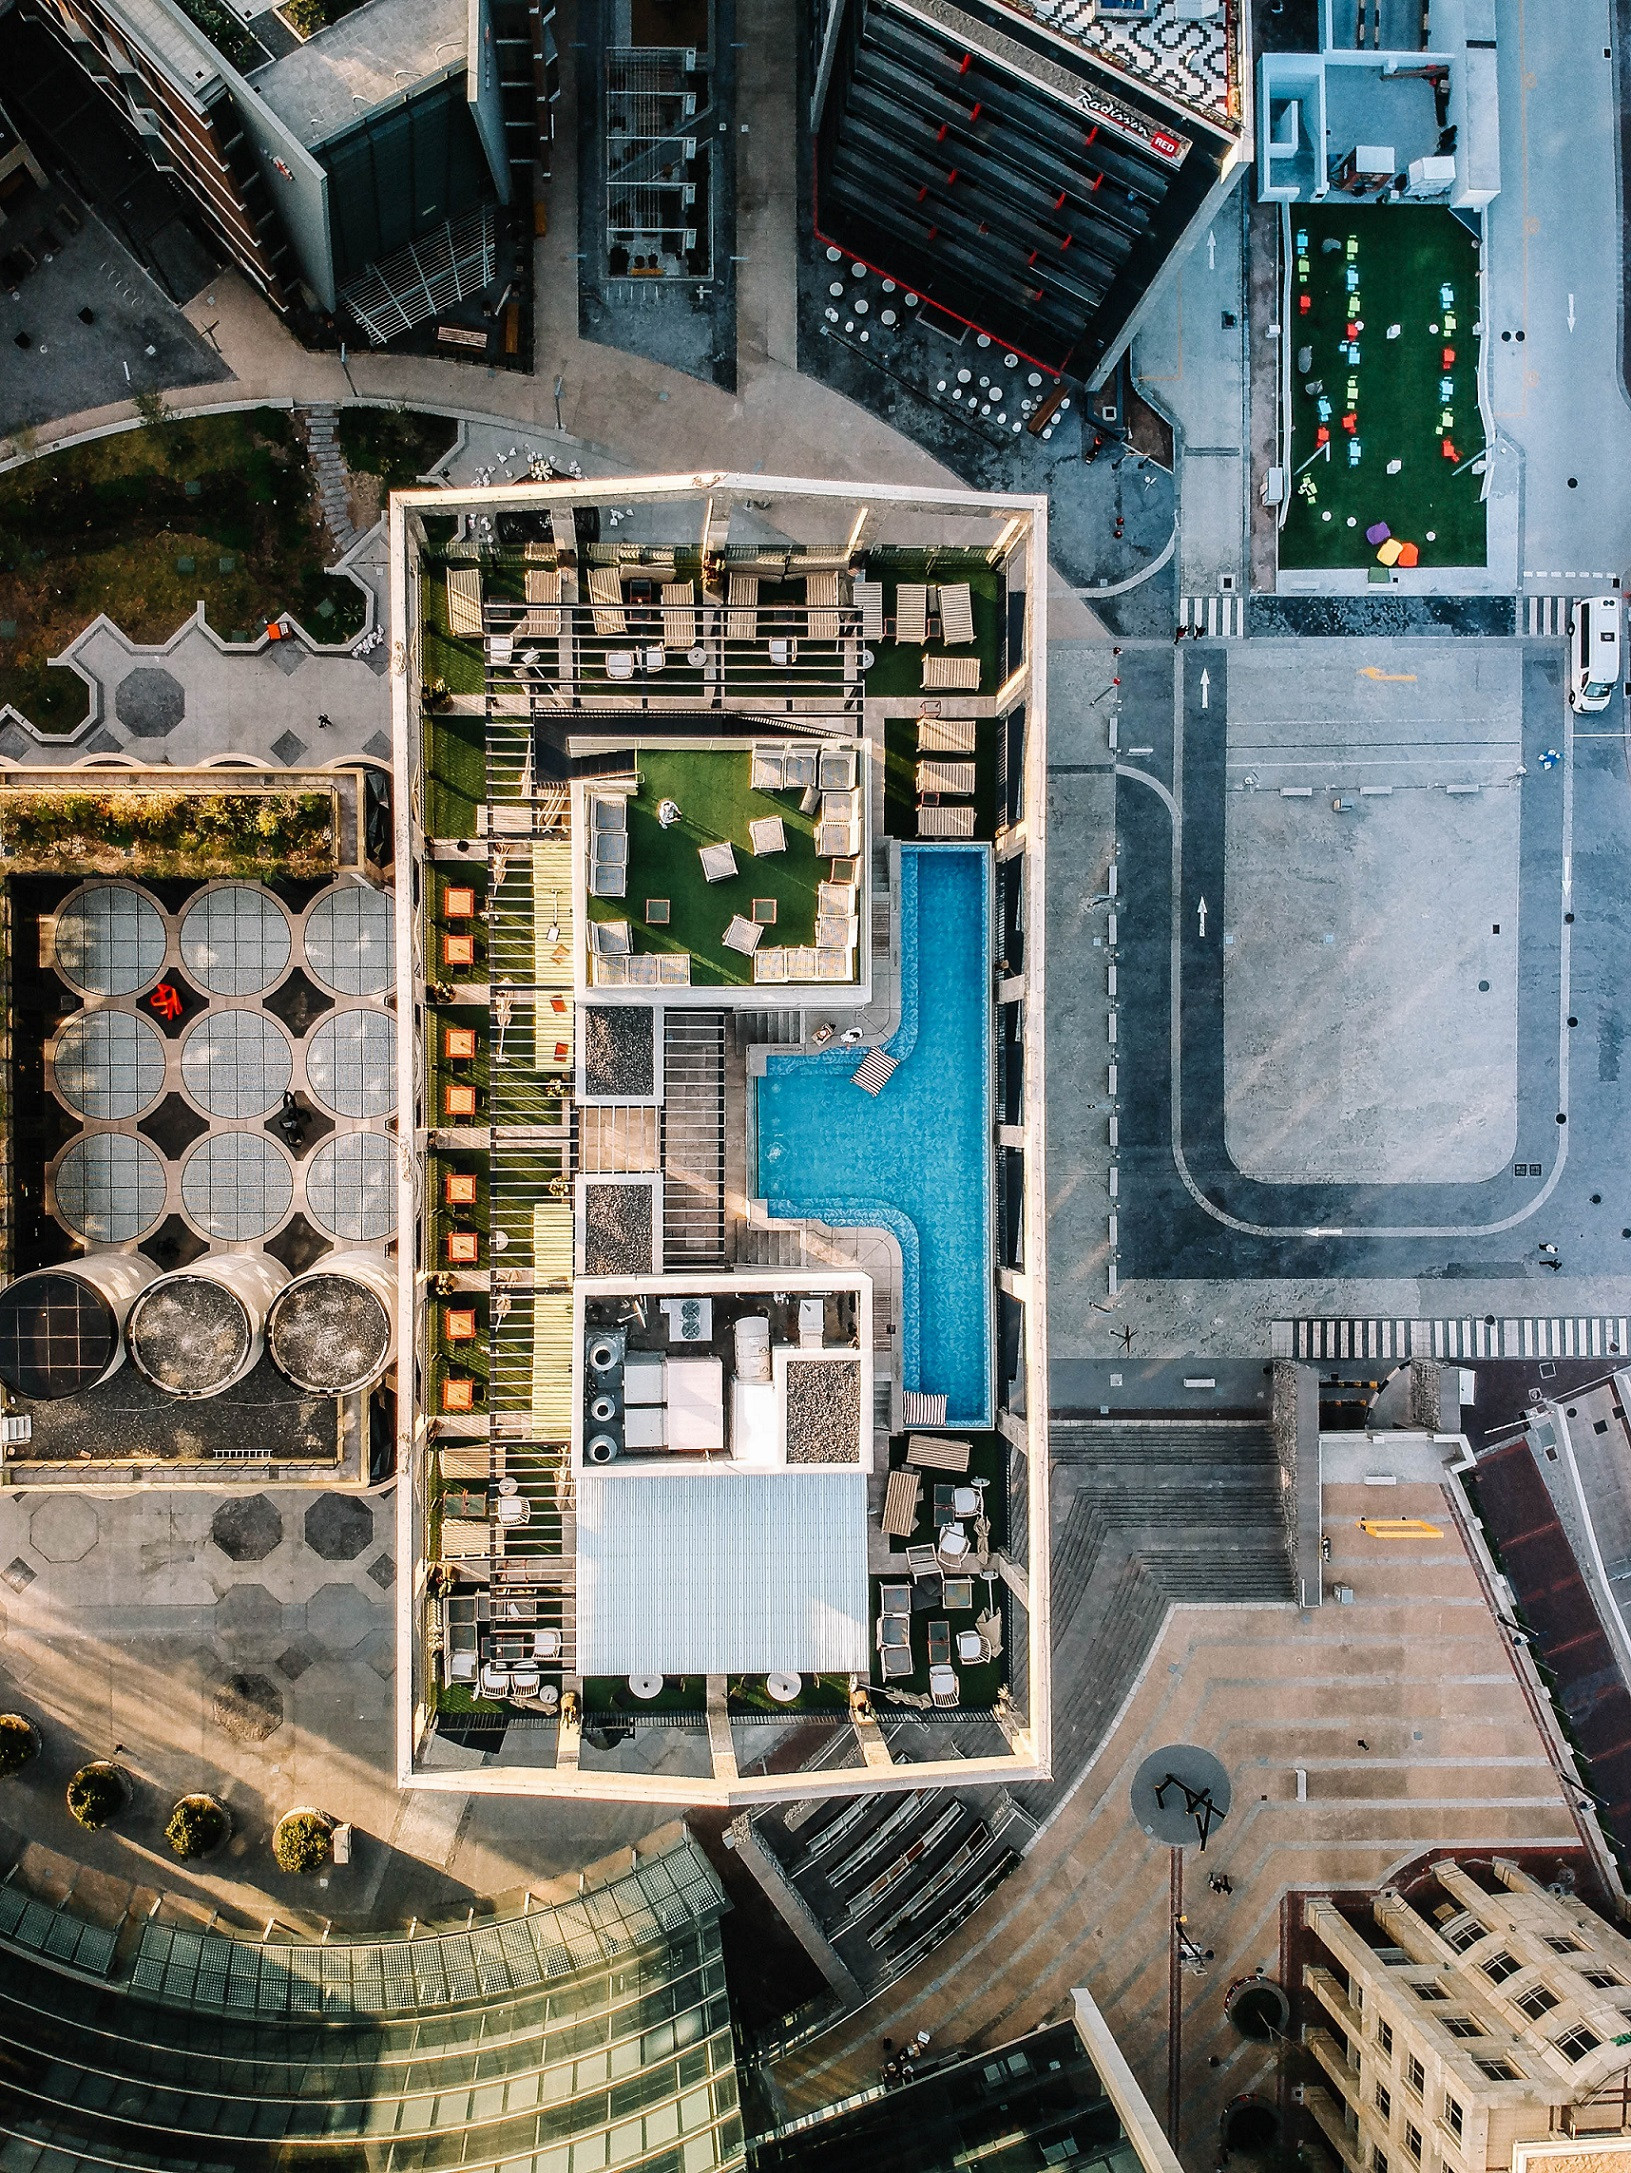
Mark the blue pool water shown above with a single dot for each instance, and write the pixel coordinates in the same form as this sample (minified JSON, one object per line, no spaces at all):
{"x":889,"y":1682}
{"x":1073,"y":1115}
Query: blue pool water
{"x":915,"y":1161}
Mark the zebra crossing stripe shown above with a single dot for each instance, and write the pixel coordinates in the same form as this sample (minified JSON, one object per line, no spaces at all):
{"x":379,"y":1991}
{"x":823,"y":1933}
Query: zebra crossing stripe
{"x":1546,"y":617}
{"x":1397,"y":1340}
{"x":1223,"y":618}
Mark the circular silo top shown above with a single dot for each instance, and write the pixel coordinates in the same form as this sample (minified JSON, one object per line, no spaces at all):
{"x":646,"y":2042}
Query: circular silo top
{"x":329,"y":1333}
{"x":109,"y":940}
{"x":235,"y":941}
{"x":57,"y":1336}
{"x":190,"y":1335}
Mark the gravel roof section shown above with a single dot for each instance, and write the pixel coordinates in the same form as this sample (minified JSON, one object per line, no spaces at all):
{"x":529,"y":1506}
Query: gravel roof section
{"x":823,"y":1411}
{"x":617,"y":1233}
{"x":619,"y":1050}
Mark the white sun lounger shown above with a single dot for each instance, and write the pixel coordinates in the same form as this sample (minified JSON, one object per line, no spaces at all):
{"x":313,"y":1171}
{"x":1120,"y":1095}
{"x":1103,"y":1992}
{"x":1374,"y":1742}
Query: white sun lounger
{"x":679,"y":618}
{"x":959,"y":672}
{"x":945,"y":777}
{"x":869,"y":596}
{"x":945,"y":735}
{"x":543,"y":589}
{"x":956,"y":613}
{"x":463,"y":601}
{"x":742,"y":612}
{"x":821,"y":601}
{"x":606,"y":594}
{"x":912,"y":611}
{"x":945,"y":822}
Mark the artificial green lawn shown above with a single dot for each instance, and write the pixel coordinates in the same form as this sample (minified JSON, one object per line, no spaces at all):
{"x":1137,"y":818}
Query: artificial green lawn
{"x":395,"y":444}
{"x":988,"y":1460}
{"x":455,"y":773}
{"x":977,"y":1685}
{"x":1405,"y":253}
{"x":457,"y":661}
{"x":715,"y":800}
{"x":901,"y":759}
{"x":897,"y":669}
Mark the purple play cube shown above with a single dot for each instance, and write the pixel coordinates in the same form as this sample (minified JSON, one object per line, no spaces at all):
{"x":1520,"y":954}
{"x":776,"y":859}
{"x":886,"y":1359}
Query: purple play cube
{"x":1378,"y":532}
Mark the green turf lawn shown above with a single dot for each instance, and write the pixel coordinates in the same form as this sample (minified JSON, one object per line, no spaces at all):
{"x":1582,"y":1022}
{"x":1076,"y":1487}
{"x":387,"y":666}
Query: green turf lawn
{"x":1405,"y":253}
{"x":455,"y":760}
{"x":456,"y":660}
{"x":977,"y":1685}
{"x":711,"y":789}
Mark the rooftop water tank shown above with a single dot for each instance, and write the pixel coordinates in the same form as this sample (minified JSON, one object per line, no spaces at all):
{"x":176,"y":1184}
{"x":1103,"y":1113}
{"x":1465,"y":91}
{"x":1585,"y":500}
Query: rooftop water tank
{"x":62,"y":1329}
{"x":333,"y":1330}
{"x":202,"y":1329}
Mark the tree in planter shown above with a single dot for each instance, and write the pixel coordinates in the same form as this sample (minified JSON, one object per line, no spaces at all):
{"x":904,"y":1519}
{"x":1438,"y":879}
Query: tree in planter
{"x":197,"y":1825}
{"x":96,"y":1794}
{"x":18,"y":1742}
{"x":302,"y":1840}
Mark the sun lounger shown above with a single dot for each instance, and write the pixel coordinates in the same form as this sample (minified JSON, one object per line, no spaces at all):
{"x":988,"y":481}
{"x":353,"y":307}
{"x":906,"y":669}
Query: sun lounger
{"x":606,"y":594}
{"x":543,"y":590}
{"x":956,"y":613}
{"x":821,"y":602}
{"x":679,"y":619}
{"x":742,"y":612}
{"x":769,"y":834}
{"x":912,"y":612}
{"x":925,"y":1453}
{"x":956,"y":777}
{"x":900,"y":1504}
{"x":463,"y":602}
{"x":742,"y":935}
{"x":876,"y":1069}
{"x":718,"y":861}
{"x":869,"y":597}
{"x":945,"y":822}
{"x":945,"y":735}
{"x":961,"y":672}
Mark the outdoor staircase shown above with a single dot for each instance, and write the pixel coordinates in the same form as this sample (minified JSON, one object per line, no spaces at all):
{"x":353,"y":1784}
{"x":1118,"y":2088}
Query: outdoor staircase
{"x":1148,"y":1513}
{"x":693,"y":1139}
{"x":328,"y":465}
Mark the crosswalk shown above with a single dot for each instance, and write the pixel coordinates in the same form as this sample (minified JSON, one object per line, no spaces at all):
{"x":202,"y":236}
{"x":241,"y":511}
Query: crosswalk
{"x":1222,"y":618}
{"x":1397,"y":1340}
{"x":1547,"y":617}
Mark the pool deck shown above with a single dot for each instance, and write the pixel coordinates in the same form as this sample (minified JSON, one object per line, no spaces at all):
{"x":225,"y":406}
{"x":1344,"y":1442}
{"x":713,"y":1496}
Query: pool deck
{"x":861,"y":1209}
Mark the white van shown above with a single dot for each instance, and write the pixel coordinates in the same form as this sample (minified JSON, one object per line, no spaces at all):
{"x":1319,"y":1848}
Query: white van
{"x":1594,"y":651}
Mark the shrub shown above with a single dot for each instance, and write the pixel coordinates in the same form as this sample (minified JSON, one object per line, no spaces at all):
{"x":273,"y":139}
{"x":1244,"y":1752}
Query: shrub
{"x":96,"y":1793}
{"x":197,"y":1825}
{"x":301,"y":1841}
{"x":167,"y":833}
{"x":18,"y":1742}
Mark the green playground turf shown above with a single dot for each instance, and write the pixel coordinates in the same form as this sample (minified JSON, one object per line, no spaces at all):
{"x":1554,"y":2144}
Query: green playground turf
{"x":1404,"y":256}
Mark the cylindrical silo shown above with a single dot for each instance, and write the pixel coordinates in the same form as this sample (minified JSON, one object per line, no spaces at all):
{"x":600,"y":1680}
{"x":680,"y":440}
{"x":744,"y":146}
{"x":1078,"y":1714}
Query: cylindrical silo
{"x":62,"y":1329}
{"x":202,"y":1328}
{"x":333,"y":1330}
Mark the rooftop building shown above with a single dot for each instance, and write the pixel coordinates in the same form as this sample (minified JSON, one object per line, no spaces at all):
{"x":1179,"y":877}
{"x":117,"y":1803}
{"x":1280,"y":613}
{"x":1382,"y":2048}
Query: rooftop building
{"x":721,"y":1041}
{"x":1025,"y":167}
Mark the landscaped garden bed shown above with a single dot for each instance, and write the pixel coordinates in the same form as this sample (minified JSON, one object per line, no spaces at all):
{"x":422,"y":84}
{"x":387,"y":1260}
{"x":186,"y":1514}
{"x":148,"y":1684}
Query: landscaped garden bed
{"x":168,"y":833}
{"x":145,"y":525}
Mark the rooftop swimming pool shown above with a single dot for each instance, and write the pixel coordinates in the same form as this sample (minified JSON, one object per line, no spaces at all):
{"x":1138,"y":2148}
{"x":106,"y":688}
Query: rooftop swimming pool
{"x":916,"y":1160}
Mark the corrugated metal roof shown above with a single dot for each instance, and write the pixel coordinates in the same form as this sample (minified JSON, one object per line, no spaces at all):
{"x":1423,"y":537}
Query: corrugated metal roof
{"x":722,"y":1573}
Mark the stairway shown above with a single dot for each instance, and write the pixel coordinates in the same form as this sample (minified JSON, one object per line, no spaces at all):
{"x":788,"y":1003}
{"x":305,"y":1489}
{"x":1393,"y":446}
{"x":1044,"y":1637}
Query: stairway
{"x":328,"y":465}
{"x":693,"y":1139}
{"x":1147,"y":1513}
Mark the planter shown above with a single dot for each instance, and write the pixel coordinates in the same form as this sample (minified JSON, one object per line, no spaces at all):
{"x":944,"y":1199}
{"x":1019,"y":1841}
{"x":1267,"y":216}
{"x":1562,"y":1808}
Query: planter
{"x":19,"y":1743}
{"x":302,"y":1839}
{"x":198,"y":1827}
{"x":98,"y":1793}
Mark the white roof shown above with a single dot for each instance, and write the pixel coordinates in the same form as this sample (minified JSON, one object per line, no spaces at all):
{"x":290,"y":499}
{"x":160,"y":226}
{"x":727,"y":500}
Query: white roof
{"x":722,"y":1573}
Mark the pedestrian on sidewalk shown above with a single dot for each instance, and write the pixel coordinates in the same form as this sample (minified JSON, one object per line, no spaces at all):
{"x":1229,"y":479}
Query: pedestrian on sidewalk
{"x":324,"y":721}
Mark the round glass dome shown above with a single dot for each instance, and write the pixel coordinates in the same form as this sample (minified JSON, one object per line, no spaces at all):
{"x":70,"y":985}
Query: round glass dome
{"x":235,"y":941}
{"x":109,"y":1064}
{"x":109,"y":940}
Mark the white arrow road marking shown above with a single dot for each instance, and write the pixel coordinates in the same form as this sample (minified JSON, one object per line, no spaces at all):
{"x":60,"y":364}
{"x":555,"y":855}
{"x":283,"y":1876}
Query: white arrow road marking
{"x":1201,"y":915}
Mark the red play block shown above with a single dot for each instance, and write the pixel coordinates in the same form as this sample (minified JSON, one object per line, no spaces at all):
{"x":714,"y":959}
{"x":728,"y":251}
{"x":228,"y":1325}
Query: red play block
{"x":461,"y":1101}
{"x":460,"y":1043}
{"x":458,"y":950}
{"x":458,"y":902}
{"x":458,"y":1395}
{"x":461,"y":1324}
{"x":461,"y":1189}
{"x":463,"y":1247}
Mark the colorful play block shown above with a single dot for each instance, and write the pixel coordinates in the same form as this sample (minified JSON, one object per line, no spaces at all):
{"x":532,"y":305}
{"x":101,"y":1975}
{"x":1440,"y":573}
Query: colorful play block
{"x":1378,"y":532}
{"x":1409,"y":555}
{"x":1389,"y":553}
{"x":458,"y":902}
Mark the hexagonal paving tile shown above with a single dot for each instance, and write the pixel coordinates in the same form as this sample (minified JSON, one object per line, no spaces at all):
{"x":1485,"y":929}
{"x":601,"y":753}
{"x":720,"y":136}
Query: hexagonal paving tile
{"x":249,"y":1610}
{"x":339,"y":1527}
{"x":64,"y":1530}
{"x":149,"y":702}
{"x":248,"y":1530}
{"x":338,"y":1617}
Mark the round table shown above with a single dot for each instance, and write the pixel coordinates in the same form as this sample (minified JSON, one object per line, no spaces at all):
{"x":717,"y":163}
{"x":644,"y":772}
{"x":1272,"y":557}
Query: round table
{"x":784,"y":1688}
{"x":646,"y":1686}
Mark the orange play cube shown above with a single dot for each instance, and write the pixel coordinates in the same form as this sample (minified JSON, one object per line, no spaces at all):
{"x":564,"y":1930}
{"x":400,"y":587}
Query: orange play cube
{"x":458,"y":950}
{"x":461,"y":1190}
{"x":461,"y":1101}
{"x":463,"y":1246}
{"x":460,"y":1043}
{"x":458,"y":1395}
{"x":461,"y":1325}
{"x":458,"y":902}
